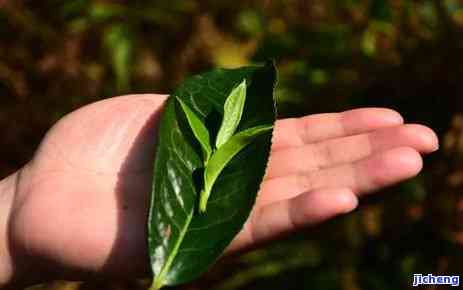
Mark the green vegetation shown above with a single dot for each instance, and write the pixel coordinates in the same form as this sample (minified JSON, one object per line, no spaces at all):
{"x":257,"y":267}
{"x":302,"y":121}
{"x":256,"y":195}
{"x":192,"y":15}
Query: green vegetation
{"x":184,"y":241}
{"x":332,"y":55}
{"x":232,"y":112}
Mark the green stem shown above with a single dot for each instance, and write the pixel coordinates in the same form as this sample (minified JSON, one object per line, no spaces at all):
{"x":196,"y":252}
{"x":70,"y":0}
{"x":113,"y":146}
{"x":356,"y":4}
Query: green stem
{"x":204,"y":196}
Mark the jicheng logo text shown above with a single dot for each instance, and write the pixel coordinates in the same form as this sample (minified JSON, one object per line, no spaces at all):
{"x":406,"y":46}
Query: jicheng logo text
{"x":430,"y":279}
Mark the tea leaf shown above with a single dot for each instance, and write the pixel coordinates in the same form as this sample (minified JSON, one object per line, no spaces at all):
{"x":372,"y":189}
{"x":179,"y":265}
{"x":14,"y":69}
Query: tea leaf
{"x":182,"y":243}
{"x":222,"y":157}
{"x":199,"y":130}
{"x":233,"y":110}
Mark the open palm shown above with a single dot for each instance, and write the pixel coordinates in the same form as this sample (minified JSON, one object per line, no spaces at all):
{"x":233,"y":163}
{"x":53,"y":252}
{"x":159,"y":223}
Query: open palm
{"x":82,"y":201}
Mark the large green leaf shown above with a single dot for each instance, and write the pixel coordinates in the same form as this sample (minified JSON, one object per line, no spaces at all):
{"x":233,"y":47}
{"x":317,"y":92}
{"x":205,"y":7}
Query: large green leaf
{"x":182,"y":242}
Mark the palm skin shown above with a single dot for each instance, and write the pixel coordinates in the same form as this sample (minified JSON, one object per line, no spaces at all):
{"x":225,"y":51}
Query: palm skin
{"x":81,"y":204}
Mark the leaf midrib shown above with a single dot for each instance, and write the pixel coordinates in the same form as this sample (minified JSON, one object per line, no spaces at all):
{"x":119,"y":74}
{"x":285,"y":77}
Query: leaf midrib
{"x":158,"y":281}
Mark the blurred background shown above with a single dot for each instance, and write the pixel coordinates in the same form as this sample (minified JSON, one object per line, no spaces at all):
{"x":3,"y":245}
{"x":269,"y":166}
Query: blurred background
{"x":332,"y":55}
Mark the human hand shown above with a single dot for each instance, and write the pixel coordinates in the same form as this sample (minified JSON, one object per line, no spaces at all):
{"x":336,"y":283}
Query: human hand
{"x":81,"y":204}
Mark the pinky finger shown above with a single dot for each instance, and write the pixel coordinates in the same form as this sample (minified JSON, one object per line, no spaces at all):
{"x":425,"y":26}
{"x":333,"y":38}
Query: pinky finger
{"x":286,"y":216}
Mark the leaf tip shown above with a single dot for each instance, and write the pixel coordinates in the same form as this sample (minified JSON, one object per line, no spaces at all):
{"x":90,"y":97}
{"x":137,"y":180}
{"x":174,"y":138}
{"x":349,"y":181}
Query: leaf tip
{"x":242,"y":85}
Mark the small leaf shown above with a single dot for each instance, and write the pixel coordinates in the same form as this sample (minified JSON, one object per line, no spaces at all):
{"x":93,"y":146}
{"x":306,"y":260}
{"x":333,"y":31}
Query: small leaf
{"x":233,"y":110}
{"x":199,"y":130}
{"x":224,"y":155}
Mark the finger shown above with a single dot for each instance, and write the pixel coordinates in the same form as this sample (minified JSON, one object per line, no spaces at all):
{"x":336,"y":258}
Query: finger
{"x":366,"y":175}
{"x":319,"y":127}
{"x":285,"y":216}
{"x":334,"y":152}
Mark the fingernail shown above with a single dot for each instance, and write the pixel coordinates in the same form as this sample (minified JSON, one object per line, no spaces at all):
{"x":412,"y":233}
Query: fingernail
{"x":350,"y":201}
{"x":394,"y":118}
{"x":432,"y":139}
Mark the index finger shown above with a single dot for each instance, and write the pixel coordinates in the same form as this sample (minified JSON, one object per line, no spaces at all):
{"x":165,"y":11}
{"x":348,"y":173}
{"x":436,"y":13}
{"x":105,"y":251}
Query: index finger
{"x":293,"y":132}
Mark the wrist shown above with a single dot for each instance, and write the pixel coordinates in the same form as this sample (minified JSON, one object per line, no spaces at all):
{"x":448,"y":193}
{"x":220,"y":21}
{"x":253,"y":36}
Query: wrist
{"x":8,"y":188}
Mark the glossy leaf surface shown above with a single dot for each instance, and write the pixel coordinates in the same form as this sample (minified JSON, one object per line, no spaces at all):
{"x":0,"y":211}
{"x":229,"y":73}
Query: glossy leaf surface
{"x":233,"y":110}
{"x":182,"y":242}
{"x":224,"y":155}
{"x":199,"y":130}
